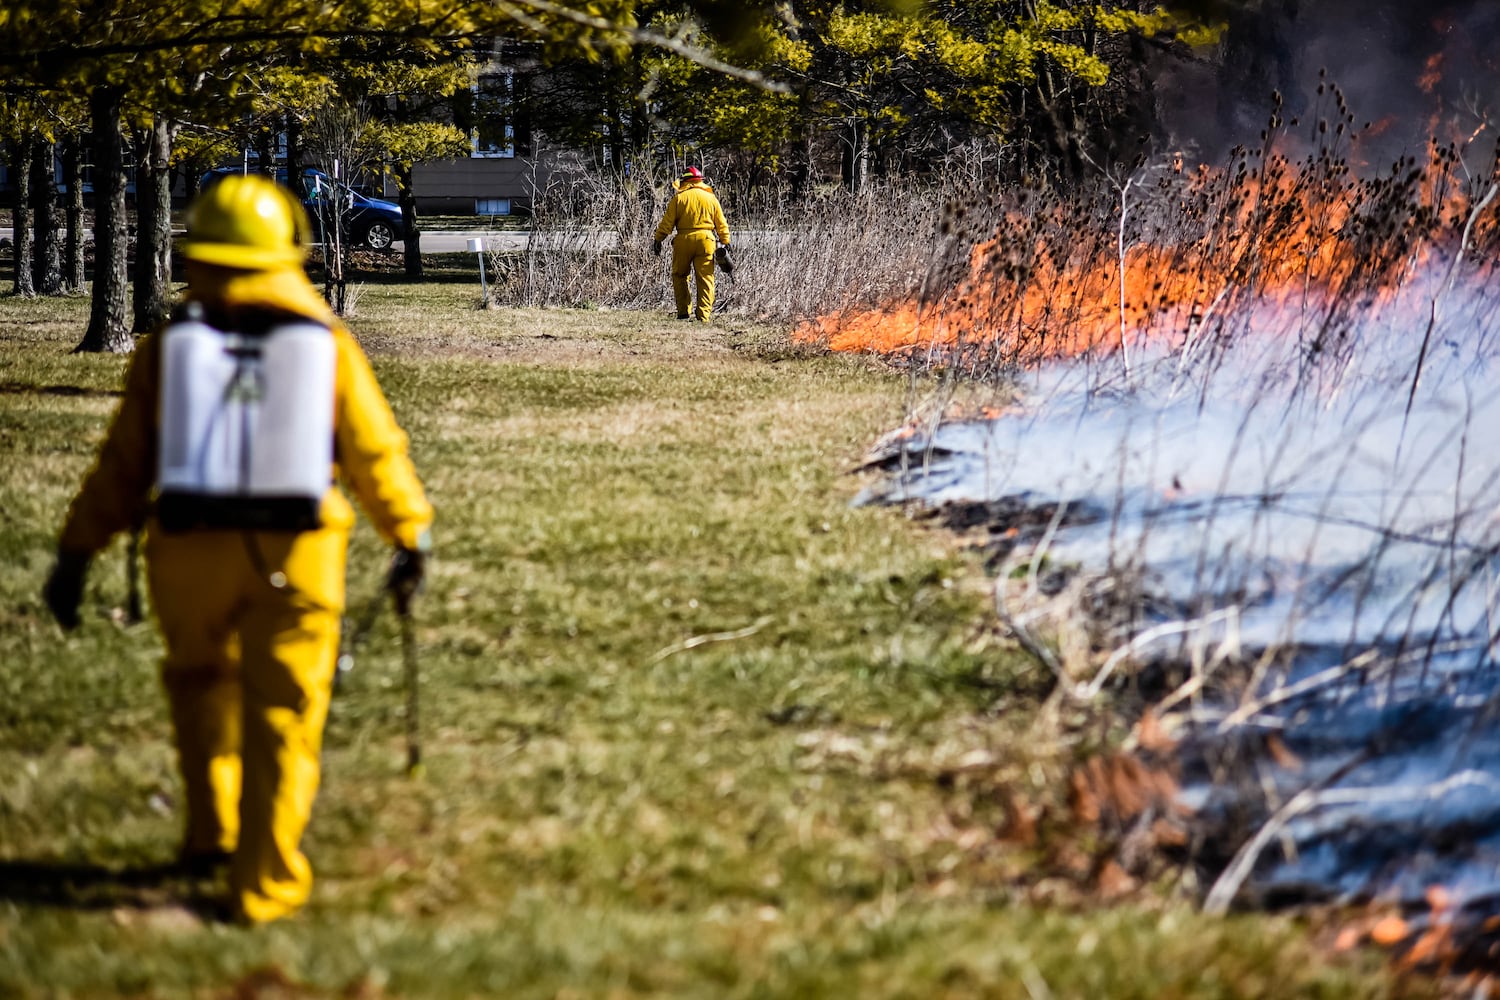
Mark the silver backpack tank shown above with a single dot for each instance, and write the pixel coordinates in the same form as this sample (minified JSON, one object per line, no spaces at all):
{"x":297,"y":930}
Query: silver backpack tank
{"x":246,"y":425}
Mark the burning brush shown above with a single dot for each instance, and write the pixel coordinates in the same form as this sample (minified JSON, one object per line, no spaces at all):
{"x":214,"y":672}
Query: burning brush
{"x":1292,"y":497}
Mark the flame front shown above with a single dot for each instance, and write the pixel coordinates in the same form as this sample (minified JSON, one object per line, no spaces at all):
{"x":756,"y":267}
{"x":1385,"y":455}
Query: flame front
{"x":1155,"y":263}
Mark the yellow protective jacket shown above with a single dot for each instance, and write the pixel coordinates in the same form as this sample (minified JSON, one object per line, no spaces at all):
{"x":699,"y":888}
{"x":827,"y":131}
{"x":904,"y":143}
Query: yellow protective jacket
{"x":693,"y":208}
{"x":370,"y":449}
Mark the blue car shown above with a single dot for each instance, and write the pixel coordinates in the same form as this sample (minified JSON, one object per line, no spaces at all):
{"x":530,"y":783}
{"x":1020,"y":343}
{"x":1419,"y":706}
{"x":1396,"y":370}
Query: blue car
{"x":366,"y":221}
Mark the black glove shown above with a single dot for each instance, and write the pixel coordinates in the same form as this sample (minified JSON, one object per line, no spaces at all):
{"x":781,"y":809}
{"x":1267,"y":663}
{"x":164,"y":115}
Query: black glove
{"x":64,"y":590}
{"x":408,"y":567}
{"x":656,"y":248}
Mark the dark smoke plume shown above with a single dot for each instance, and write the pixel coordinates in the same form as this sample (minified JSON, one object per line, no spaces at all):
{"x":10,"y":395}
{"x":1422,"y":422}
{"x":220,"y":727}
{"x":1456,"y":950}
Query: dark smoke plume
{"x":1411,"y":68}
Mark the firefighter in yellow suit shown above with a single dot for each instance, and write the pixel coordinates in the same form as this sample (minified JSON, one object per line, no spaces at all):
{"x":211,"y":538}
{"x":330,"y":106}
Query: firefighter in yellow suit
{"x":696,"y":214}
{"x":250,"y":618}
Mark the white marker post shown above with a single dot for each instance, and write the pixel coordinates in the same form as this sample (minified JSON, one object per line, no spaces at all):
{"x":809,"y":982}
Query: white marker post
{"x":476,"y":245}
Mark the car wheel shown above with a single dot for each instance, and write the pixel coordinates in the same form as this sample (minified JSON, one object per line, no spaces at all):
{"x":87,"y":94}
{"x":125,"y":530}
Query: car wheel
{"x":379,"y":236}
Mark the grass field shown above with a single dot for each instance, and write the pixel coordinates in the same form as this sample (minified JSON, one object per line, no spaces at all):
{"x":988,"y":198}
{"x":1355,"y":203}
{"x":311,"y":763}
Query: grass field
{"x":686,"y":713}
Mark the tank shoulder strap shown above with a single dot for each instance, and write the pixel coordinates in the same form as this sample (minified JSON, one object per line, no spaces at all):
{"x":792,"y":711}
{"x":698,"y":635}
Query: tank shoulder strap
{"x":253,"y":321}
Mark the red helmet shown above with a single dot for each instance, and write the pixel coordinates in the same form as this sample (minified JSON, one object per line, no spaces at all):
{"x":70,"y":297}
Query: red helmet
{"x":692,"y":173}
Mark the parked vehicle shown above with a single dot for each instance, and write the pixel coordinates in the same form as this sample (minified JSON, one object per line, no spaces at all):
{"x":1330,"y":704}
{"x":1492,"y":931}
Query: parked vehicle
{"x":366,"y":221}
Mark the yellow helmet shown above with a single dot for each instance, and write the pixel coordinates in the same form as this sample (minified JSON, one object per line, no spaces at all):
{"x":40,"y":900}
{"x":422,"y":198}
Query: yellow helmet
{"x":248,"y":222}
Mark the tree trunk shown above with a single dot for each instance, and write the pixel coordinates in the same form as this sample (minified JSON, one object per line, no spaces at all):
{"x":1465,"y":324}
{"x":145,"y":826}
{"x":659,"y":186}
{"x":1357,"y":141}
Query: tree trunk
{"x":1064,"y":146}
{"x":857,"y":156}
{"x":411,"y":235}
{"x":333,"y":251}
{"x":294,"y":153}
{"x":109,"y":328}
{"x":46,"y":264}
{"x":153,"y":229}
{"x":73,"y":273}
{"x":640,"y":116}
{"x":21,"y":222}
{"x":192,"y":173}
{"x":616,"y":138}
{"x":801,"y":154}
{"x":265,"y":149}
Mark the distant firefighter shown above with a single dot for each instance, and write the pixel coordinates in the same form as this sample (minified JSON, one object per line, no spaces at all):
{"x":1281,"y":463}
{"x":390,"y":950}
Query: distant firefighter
{"x":695,"y":213}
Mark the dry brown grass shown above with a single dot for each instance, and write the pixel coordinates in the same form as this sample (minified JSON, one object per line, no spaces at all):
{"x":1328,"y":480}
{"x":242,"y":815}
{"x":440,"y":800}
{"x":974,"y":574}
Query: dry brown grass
{"x":591,"y":247}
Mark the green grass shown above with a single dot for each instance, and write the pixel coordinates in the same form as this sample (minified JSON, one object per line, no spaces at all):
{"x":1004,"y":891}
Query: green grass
{"x":621,"y":799}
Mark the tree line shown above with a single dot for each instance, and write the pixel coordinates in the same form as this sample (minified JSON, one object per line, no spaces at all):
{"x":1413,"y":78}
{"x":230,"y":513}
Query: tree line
{"x":782,"y":89}
{"x":866,"y":87}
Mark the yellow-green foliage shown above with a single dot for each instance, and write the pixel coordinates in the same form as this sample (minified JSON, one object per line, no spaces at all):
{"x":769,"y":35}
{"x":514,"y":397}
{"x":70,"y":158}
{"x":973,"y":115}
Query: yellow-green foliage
{"x":21,"y":117}
{"x":201,"y":147}
{"x":963,"y":59}
{"x":414,"y":142}
{"x":761,"y":123}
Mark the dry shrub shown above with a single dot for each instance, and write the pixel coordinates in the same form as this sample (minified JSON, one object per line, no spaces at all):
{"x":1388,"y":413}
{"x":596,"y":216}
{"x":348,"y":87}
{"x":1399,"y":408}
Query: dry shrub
{"x":835,"y":251}
{"x":590,"y":246}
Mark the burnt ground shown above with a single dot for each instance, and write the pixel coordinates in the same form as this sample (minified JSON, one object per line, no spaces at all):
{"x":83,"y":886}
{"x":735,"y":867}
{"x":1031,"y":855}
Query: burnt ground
{"x":1121,"y":827}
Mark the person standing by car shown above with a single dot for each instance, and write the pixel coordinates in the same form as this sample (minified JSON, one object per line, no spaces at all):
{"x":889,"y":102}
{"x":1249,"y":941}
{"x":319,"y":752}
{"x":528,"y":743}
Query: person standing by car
{"x":235,"y":420}
{"x":695,"y":213}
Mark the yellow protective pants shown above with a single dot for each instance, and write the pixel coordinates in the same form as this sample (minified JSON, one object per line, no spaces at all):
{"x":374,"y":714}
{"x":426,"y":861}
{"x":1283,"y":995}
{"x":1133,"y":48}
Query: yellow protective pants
{"x":693,"y":253}
{"x":251,"y":626}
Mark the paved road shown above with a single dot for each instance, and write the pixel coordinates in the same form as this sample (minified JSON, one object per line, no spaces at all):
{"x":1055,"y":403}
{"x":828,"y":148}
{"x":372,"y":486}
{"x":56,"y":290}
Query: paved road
{"x":604,"y":240}
{"x":508,"y":240}
{"x":444,"y":242}
{"x":451,"y":242}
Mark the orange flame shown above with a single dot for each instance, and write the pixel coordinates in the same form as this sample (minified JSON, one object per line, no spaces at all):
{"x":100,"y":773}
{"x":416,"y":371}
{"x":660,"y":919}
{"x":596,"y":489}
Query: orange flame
{"x":1432,"y":74}
{"x":1052,"y":282}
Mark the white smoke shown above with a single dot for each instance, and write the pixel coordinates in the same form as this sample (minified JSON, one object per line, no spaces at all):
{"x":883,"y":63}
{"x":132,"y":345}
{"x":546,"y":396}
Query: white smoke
{"x":1276,"y":498}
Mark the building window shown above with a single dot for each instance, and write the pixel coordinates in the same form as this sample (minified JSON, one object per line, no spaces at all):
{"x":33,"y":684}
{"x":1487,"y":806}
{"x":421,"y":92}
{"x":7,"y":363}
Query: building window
{"x":493,"y":133}
{"x":491,"y":206}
